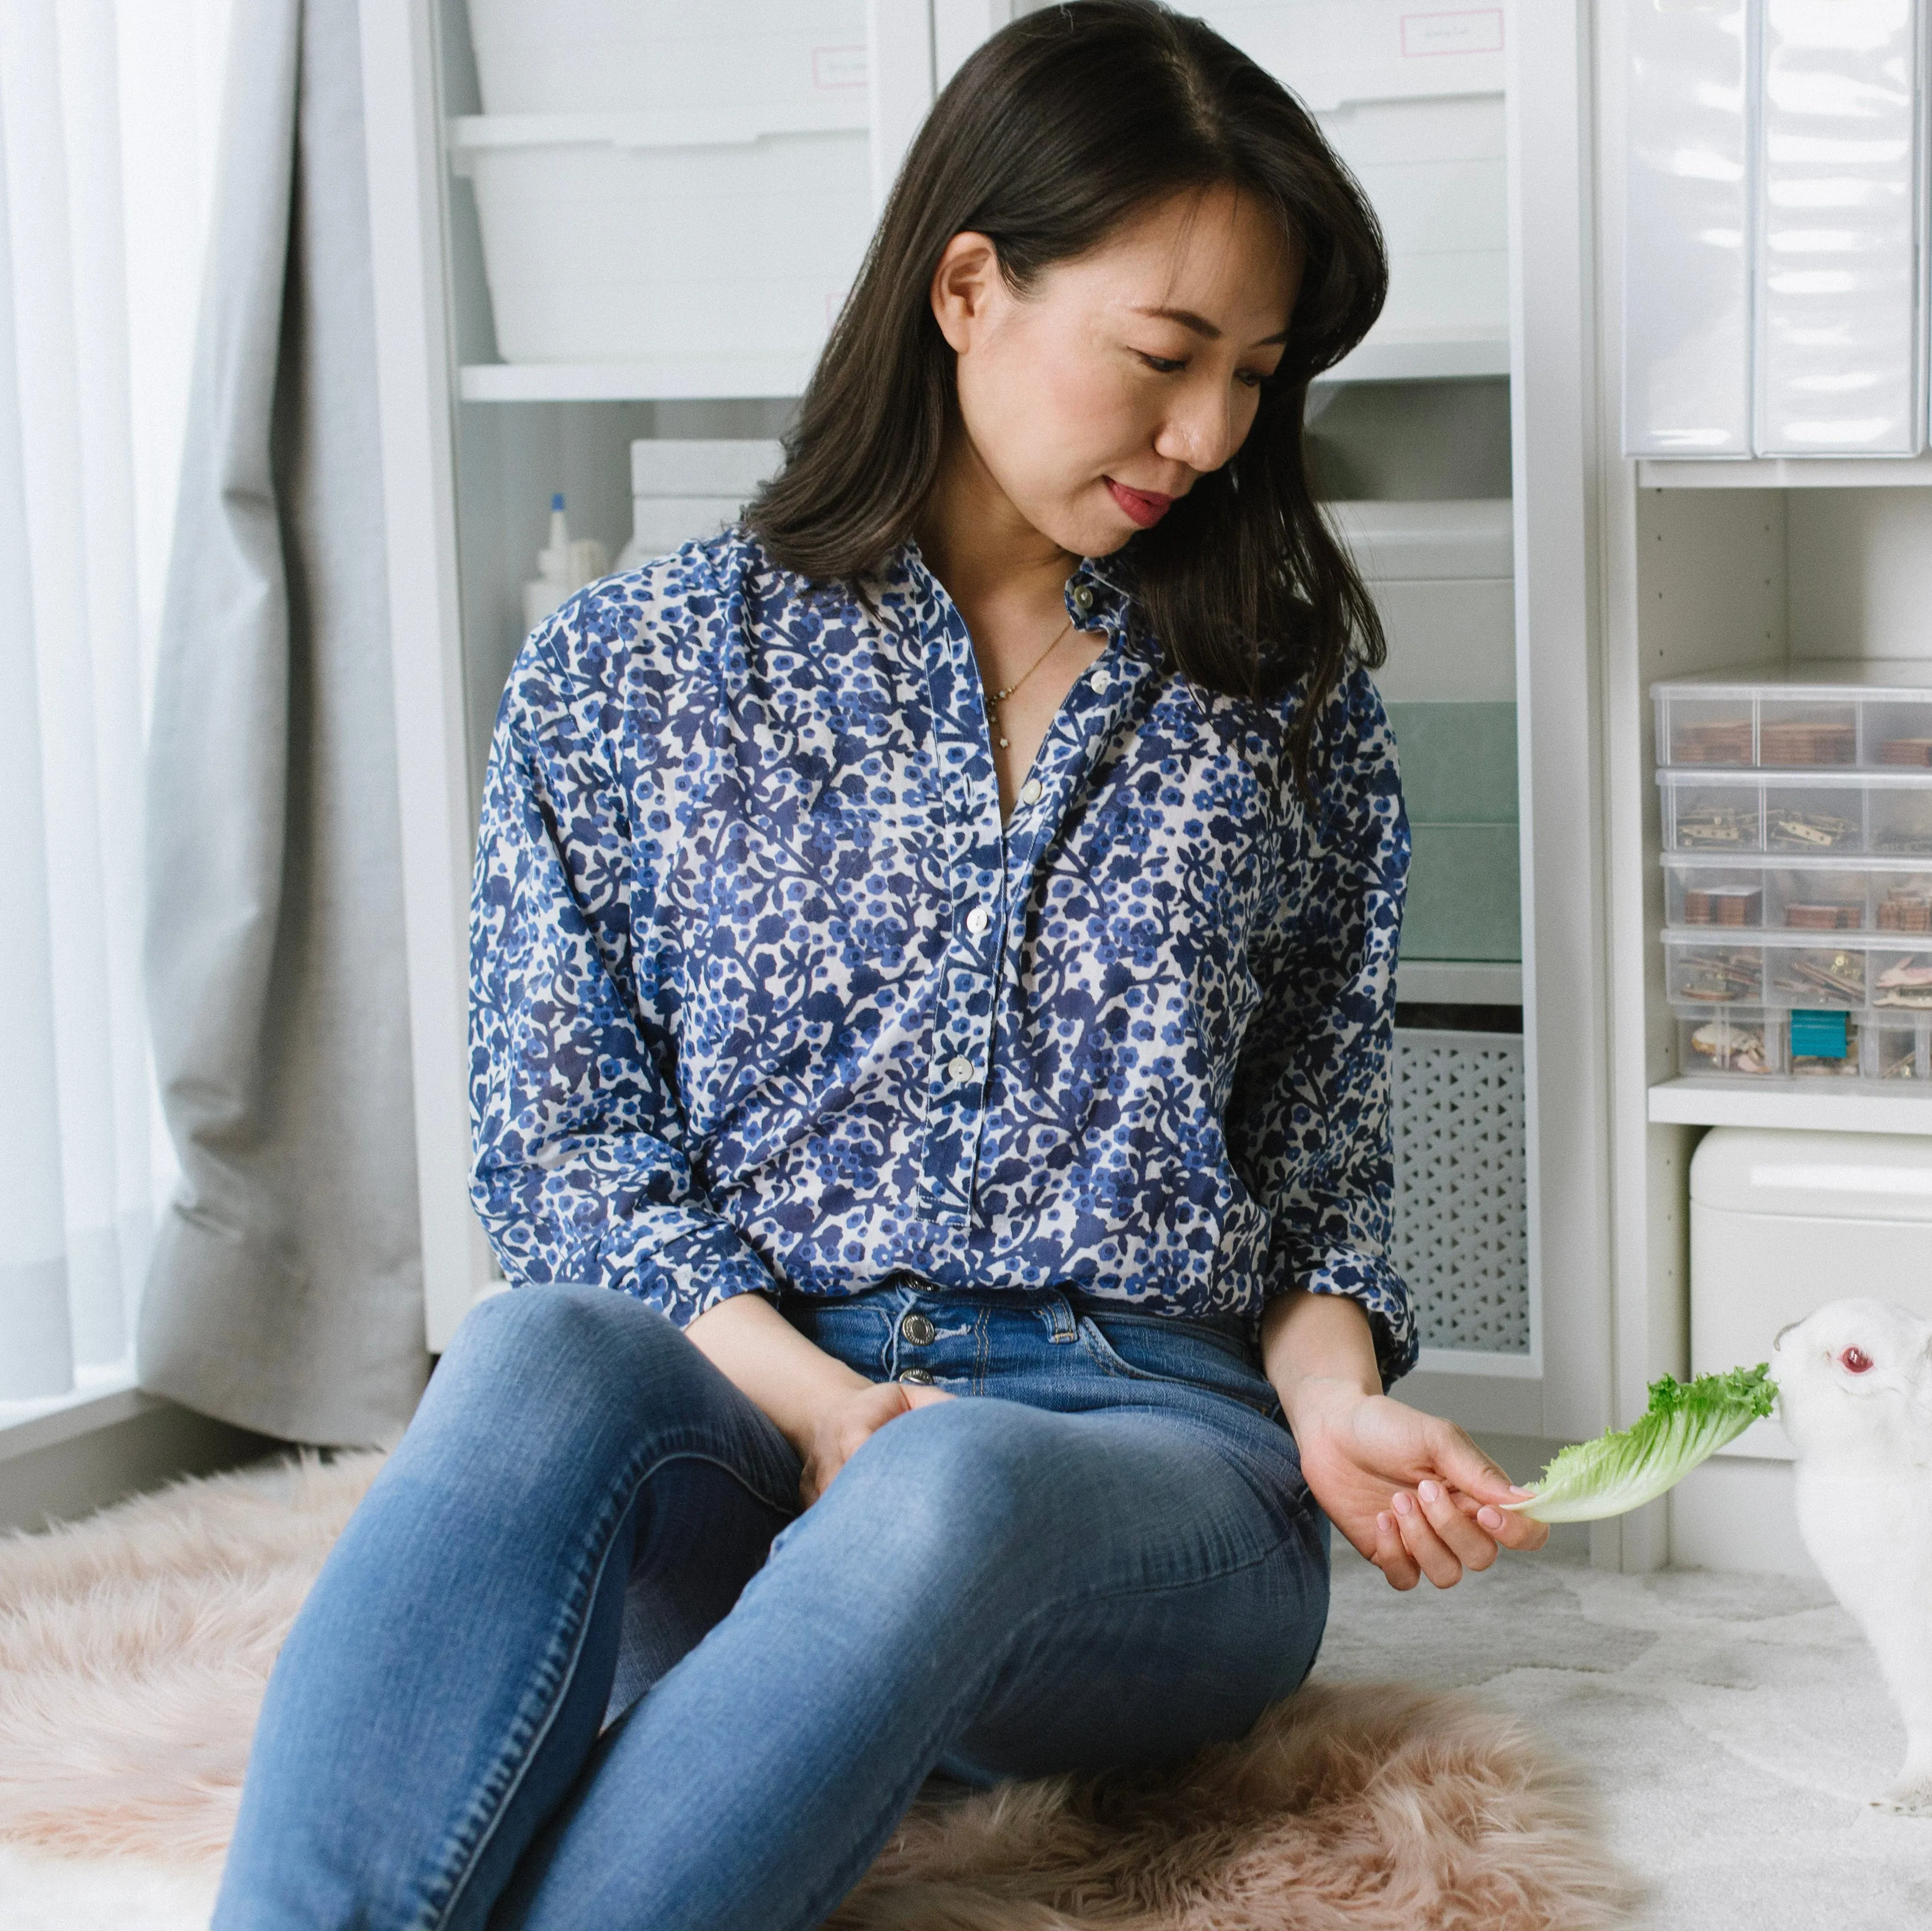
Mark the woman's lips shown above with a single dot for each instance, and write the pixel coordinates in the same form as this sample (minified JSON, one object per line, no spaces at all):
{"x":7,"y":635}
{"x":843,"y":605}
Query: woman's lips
{"x":1145,"y":507}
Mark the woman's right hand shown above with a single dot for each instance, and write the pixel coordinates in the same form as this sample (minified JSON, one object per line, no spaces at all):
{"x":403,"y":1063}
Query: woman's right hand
{"x":842,"y":1424}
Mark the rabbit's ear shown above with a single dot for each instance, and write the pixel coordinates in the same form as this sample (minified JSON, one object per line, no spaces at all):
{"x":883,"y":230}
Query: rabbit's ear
{"x":1786,"y":1329}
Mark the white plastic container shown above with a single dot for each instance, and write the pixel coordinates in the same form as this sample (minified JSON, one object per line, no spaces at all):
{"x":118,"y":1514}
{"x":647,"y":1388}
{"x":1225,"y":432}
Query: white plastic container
{"x":1782,"y":1222}
{"x":1412,"y":99}
{"x":670,"y":238}
{"x":1686,"y":227}
{"x":1839,"y":349}
{"x":680,"y":490}
{"x":1442,"y":576}
{"x":631,"y":56}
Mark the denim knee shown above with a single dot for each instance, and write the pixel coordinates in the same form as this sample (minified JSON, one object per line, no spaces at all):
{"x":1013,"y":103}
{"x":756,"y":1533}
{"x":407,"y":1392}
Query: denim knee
{"x":567,"y":1353}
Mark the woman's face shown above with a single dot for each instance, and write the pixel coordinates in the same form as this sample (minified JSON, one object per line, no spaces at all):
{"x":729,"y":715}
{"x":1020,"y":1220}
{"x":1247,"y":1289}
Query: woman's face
{"x":1094,"y":400}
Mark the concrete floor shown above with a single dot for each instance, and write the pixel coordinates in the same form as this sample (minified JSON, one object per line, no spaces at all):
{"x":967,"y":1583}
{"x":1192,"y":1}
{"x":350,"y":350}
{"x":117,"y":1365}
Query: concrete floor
{"x":1733,"y":1725}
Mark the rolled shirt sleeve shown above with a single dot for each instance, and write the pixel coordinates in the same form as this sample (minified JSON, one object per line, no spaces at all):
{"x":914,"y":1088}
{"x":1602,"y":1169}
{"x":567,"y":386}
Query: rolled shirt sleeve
{"x":1310,"y":1121}
{"x":582,"y":1167}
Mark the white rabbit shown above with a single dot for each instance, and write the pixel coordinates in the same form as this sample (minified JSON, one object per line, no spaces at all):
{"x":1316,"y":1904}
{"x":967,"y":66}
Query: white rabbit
{"x":1855,"y":1395}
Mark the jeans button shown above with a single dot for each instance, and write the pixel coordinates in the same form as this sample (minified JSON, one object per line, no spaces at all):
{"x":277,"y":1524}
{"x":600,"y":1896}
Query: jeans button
{"x":918,"y":1374}
{"x":917,"y":1328}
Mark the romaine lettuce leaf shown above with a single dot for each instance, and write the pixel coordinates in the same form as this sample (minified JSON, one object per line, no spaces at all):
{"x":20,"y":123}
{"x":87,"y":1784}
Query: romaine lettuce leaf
{"x":1686,"y":1422}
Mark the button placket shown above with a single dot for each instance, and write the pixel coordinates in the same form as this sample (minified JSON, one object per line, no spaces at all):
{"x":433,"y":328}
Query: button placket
{"x":962,"y":1030}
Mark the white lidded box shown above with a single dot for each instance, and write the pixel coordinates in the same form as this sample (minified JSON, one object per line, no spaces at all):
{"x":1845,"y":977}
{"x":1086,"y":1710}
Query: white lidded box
{"x":682,"y":489}
{"x":1411,"y":98}
{"x":1782,"y":1222}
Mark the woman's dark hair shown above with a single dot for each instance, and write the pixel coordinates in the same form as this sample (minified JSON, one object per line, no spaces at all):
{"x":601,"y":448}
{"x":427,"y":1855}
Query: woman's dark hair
{"x":1061,"y":127}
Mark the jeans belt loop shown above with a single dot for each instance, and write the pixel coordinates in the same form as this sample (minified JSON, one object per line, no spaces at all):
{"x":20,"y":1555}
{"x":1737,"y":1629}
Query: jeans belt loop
{"x":1064,"y":1323}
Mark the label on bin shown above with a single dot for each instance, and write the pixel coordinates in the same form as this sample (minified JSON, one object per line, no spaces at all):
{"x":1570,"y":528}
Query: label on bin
{"x":1818,"y":1036}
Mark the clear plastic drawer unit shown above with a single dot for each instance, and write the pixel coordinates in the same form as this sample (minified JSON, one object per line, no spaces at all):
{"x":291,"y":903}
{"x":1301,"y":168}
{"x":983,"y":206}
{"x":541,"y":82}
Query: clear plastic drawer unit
{"x":1796,"y":824}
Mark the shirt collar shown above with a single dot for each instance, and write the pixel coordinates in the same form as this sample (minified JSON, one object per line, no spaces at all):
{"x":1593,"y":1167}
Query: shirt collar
{"x":1097,"y":595}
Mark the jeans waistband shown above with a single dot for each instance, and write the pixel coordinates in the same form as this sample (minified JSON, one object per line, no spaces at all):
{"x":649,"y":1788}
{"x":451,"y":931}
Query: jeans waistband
{"x":1056,"y":1303}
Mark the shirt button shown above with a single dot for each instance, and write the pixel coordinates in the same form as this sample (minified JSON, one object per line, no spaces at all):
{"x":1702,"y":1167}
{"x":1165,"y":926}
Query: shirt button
{"x":917,"y":1329}
{"x":918,"y":1374}
{"x":1083,"y":597}
{"x":978,"y":919}
{"x":1030,"y":792}
{"x":961,"y":1068}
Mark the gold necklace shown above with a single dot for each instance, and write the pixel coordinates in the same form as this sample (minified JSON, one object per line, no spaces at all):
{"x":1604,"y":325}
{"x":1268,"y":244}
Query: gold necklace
{"x":999,"y":697}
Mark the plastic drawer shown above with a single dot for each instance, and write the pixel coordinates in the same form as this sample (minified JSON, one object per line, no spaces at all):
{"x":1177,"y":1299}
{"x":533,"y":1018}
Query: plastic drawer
{"x":1702,"y":974}
{"x":1888,"y":896}
{"x":1827,"y":715}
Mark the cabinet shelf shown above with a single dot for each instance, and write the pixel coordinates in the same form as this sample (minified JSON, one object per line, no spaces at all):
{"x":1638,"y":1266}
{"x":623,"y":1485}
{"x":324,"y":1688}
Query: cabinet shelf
{"x":1787,"y":472}
{"x":675,"y":380}
{"x":1691,"y":1102}
{"x":667,"y":379}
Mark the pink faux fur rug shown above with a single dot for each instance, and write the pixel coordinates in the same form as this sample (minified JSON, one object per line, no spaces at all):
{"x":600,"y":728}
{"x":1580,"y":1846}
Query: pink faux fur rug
{"x":134,"y":1646}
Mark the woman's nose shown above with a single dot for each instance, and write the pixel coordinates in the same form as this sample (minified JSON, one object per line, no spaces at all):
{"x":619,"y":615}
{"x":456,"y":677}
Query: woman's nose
{"x":1199,"y":431}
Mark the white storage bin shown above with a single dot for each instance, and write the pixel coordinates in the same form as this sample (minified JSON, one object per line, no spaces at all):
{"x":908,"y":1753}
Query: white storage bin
{"x":1840,"y":350}
{"x":1412,"y":100}
{"x":669,"y":238}
{"x":580,"y":56}
{"x":1441,"y":574}
{"x":1782,"y":1222}
{"x":1687,"y":221}
{"x":682,"y":489}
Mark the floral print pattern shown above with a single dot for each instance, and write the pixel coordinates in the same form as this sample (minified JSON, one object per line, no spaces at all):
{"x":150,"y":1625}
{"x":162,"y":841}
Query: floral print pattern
{"x":764,"y":997}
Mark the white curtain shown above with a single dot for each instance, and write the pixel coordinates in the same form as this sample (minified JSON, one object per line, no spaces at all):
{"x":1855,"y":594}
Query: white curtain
{"x":108,"y":116}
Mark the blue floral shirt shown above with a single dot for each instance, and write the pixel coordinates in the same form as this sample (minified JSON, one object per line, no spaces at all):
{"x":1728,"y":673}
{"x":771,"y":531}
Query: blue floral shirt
{"x":764,"y":997}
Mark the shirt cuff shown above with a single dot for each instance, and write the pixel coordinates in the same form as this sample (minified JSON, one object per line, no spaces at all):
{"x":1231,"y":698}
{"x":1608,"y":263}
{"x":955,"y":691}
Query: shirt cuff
{"x":690,"y":1274}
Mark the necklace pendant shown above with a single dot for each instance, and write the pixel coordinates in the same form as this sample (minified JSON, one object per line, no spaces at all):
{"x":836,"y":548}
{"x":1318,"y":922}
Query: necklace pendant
{"x":1003,"y":744}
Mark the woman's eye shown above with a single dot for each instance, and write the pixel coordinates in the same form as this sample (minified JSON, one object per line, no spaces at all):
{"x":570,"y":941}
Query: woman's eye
{"x":1165,"y":365}
{"x":1253,"y":378}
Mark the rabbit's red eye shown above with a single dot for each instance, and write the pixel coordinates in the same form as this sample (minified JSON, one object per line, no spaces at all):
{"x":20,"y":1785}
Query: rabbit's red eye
{"x":1855,"y":1360}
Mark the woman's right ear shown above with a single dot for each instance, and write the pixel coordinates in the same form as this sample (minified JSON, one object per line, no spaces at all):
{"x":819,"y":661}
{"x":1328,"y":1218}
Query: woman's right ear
{"x":966,"y":286}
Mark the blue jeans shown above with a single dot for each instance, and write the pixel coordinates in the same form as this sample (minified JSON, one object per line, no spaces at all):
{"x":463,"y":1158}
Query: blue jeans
{"x":579,"y":1662}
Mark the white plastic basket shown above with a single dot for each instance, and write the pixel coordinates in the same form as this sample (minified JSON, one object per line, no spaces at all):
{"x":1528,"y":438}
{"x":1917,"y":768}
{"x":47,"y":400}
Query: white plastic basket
{"x":633,"y":56}
{"x":1462,"y":1239}
{"x":634,"y":238}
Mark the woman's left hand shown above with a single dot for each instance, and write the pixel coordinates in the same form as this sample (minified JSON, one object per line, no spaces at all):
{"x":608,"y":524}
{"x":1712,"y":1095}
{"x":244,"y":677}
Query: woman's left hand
{"x":1412,"y":1492}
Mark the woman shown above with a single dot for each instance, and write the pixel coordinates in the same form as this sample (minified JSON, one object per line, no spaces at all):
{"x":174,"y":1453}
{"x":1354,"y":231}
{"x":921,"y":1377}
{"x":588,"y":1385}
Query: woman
{"x":933,"y":959}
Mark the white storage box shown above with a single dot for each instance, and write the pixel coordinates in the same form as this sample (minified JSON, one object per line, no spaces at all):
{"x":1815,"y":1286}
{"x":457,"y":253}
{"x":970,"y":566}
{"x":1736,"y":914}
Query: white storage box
{"x":1687,"y":271}
{"x":680,"y":490}
{"x":1782,"y":1222}
{"x":669,"y":238}
{"x":1840,"y":348}
{"x":629,"y":56}
{"x":1442,"y":573}
{"x":1412,"y":100}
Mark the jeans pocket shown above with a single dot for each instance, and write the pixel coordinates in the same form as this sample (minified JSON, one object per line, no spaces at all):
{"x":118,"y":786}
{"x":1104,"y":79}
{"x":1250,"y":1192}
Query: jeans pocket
{"x":1160,"y":1349}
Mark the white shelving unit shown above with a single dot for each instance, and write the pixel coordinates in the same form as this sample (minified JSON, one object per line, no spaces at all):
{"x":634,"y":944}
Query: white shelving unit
{"x":1790,"y":473}
{"x":1709,"y":564}
{"x":469,"y":440}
